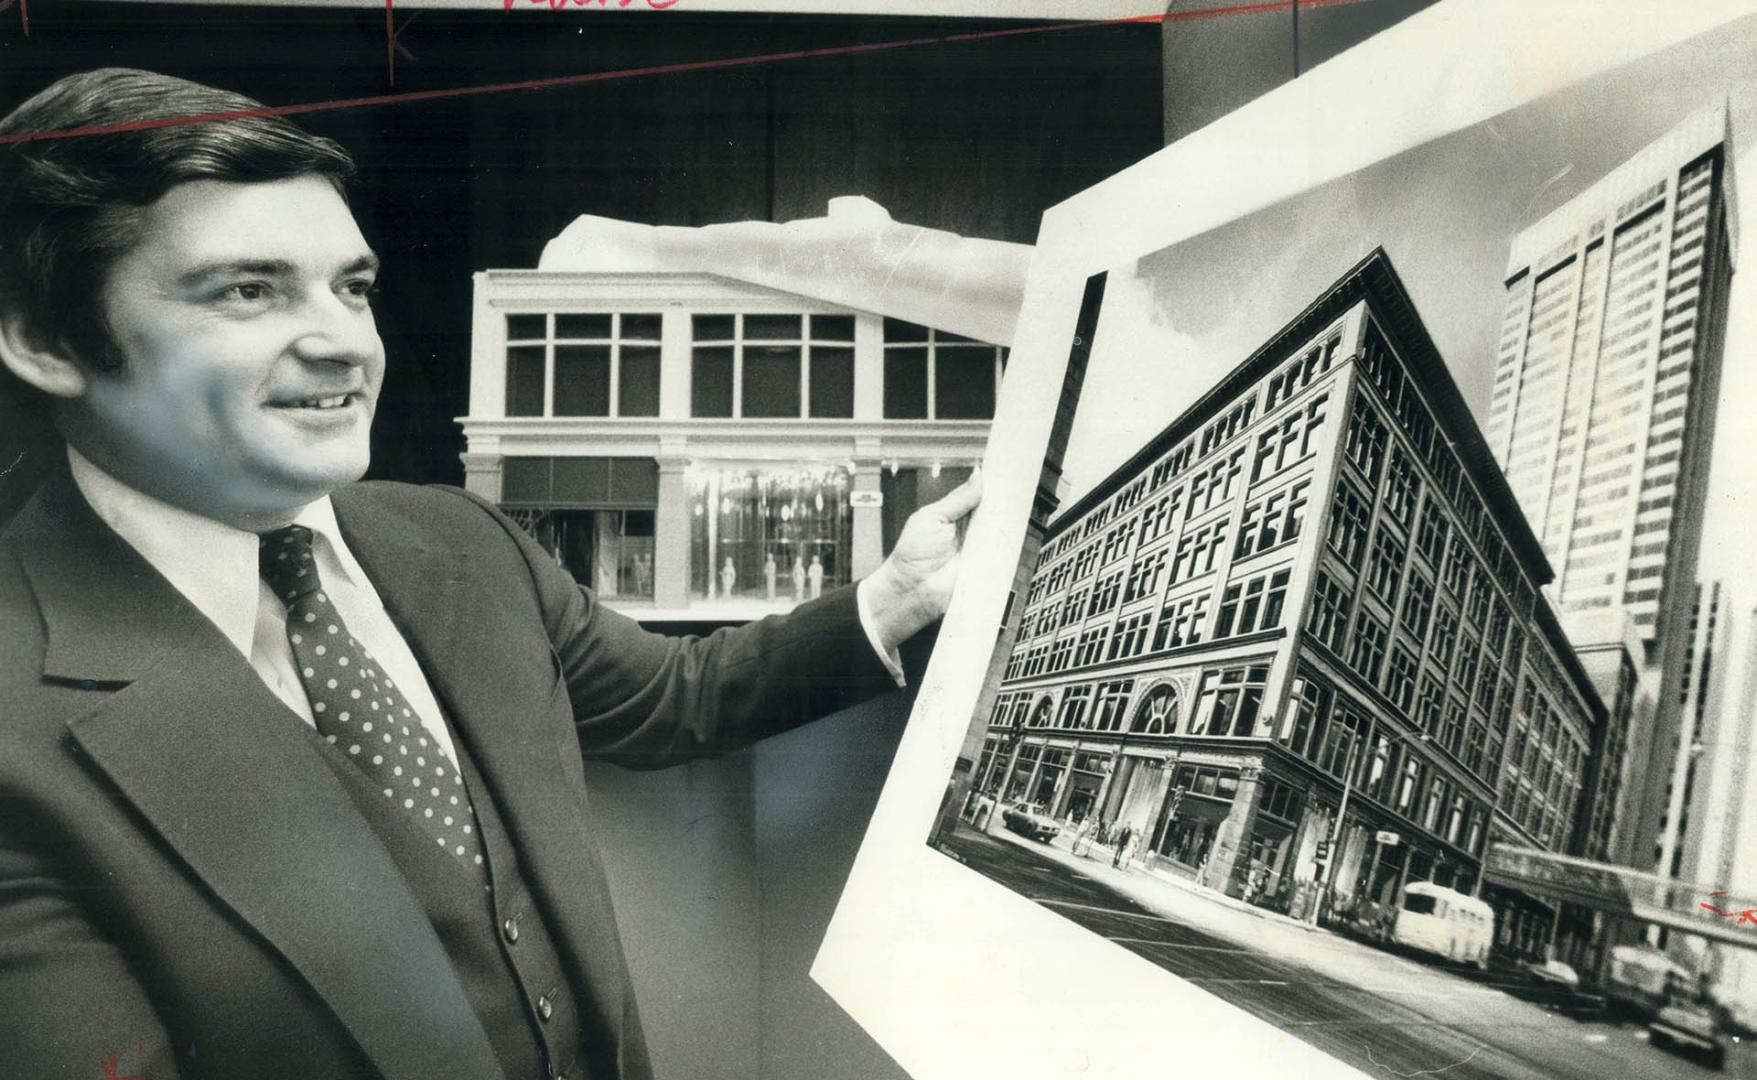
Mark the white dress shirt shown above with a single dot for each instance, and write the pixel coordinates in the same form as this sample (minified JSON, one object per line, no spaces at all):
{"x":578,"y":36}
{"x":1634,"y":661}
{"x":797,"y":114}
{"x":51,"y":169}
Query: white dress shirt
{"x":215,"y":567}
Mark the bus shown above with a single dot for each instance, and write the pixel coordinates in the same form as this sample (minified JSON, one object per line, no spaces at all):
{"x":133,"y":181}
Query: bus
{"x":1434,"y":919}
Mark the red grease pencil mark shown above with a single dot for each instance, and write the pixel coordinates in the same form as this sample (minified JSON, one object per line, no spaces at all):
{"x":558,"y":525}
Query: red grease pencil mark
{"x":1740,"y":918}
{"x":24,"y":14}
{"x":558,"y":81}
{"x":112,"y":1071}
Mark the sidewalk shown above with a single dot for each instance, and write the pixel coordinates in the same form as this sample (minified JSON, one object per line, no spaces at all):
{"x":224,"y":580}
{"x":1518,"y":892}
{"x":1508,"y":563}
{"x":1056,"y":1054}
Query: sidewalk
{"x":1326,"y":953}
{"x":1135,"y":870}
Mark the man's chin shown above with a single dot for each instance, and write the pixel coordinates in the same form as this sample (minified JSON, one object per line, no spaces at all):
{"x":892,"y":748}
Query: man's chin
{"x":276,"y":498}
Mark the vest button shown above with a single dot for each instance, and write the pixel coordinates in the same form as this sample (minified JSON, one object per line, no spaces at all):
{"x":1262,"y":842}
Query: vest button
{"x":545,"y":1007}
{"x":511,"y":929}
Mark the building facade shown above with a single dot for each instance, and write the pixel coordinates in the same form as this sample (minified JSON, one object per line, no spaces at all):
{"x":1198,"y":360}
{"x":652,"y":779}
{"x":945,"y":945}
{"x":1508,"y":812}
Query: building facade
{"x":1706,"y":772}
{"x":1603,"y":406}
{"x":700,"y":448}
{"x":1610,"y":650}
{"x":1297,"y":642}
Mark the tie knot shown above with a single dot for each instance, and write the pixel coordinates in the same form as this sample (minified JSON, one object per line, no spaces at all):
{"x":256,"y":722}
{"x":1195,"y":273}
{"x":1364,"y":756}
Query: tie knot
{"x":286,"y":562}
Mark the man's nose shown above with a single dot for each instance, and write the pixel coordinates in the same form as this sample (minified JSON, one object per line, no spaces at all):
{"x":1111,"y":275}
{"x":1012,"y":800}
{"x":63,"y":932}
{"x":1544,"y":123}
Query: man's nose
{"x":334,"y":330}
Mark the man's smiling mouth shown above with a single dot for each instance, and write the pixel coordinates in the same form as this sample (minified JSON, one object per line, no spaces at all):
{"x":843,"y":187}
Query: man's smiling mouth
{"x":335,"y":401}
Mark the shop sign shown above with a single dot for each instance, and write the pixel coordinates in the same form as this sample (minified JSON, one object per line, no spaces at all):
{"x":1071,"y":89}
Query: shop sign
{"x":866,"y":499}
{"x":1387,"y":838}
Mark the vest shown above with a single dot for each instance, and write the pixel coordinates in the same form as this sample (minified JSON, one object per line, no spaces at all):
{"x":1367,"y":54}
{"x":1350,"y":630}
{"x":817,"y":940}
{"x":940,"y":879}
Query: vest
{"x":496,"y":938}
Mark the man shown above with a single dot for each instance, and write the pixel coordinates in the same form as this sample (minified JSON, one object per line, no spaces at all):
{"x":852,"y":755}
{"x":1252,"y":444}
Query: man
{"x":290,"y":766}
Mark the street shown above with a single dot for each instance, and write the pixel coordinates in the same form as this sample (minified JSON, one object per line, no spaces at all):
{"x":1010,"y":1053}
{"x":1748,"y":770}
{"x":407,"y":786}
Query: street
{"x":1388,"y":1015}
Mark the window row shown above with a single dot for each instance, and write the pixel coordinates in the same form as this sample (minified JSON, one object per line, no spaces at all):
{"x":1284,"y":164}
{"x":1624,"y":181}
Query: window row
{"x":1336,"y":735}
{"x":1246,"y":606}
{"x":741,"y":365}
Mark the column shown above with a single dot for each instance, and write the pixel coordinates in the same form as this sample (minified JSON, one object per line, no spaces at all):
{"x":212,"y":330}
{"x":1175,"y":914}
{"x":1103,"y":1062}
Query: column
{"x":869,"y":517}
{"x":869,"y":367}
{"x":674,"y":363}
{"x":671,"y":535}
{"x":1011,"y":759}
{"x":1232,"y":841}
{"x":482,"y":475}
{"x":1030,"y":788}
{"x":1101,"y":801}
{"x":1064,"y":786}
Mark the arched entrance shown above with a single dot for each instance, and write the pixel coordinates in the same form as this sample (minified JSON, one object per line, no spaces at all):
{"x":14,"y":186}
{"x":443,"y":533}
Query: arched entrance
{"x":1157,"y":712}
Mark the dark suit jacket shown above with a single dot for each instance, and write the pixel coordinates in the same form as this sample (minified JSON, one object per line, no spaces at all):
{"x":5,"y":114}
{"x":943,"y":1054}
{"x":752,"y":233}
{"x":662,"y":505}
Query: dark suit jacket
{"x":186,"y":885}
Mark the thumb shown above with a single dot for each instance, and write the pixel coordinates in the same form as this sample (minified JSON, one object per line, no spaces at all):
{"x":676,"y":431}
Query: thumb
{"x":957,"y":503}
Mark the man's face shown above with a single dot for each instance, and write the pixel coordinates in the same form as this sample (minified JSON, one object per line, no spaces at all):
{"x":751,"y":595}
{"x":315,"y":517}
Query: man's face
{"x":252,"y":360}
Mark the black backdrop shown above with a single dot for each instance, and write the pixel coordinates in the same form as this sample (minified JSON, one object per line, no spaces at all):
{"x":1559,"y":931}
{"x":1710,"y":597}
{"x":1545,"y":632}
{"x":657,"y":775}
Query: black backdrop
{"x":976,"y":136}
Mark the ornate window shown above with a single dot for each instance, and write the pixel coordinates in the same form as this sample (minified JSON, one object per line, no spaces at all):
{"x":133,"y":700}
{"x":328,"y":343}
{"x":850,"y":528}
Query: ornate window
{"x":1157,"y":713}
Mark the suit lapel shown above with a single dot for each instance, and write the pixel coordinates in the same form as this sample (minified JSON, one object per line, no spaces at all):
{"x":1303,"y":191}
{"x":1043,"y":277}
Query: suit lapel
{"x":486,"y":658}
{"x":218,"y":767}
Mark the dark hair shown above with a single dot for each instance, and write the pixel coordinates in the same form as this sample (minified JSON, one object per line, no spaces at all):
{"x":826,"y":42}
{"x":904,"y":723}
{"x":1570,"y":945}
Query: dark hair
{"x":70,"y":206}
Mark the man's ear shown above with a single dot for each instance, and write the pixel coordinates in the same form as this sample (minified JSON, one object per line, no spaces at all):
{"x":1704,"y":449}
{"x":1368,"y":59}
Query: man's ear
{"x":49,"y":368}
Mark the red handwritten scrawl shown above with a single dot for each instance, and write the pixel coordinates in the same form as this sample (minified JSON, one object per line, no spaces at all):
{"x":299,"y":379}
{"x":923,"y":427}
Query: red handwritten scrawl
{"x":1745,"y":917}
{"x":112,"y":1070}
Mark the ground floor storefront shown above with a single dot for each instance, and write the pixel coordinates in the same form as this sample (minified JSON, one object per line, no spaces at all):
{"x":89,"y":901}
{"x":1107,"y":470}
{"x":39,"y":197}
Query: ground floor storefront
{"x":736,"y":527}
{"x":1245,"y":820}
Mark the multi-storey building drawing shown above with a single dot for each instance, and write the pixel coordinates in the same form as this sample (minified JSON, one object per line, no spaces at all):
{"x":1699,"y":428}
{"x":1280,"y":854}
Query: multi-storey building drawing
{"x":1602,"y":411}
{"x":1297,"y":642}
{"x":699,"y":447}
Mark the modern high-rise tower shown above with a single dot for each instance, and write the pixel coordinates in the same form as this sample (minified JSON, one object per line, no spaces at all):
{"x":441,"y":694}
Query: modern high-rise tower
{"x":1602,"y":412}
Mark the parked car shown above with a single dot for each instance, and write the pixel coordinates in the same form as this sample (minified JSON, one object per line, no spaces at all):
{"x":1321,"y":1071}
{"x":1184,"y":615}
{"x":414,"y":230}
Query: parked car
{"x":1030,"y":822}
{"x":1556,"y":973}
{"x":1690,"y":1025}
{"x":1637,"y":981}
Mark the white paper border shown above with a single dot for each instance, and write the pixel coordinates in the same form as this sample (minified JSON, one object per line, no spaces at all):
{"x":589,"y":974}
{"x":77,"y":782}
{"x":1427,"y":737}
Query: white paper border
{"x":954,"y":975}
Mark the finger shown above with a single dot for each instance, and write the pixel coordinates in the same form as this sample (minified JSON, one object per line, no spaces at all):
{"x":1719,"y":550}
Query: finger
{"x":957,"y":503}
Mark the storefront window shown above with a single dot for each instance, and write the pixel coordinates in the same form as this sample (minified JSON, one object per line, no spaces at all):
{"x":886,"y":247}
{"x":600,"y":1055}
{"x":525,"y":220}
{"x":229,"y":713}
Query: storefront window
{"x":1188,"y":841}
{"x":769,"y":534}
{"x":609,"y":551}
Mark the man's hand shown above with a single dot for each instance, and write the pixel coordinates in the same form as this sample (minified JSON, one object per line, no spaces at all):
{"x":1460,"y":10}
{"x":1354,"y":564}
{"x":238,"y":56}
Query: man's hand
{"x":914,"y":585}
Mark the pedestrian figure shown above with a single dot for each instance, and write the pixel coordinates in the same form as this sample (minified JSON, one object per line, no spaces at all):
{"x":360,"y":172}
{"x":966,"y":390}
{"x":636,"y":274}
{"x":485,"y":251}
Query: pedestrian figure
{"x":1082,"y":836}
{"x":1254,"y":882}
{"x":1123,"y":836}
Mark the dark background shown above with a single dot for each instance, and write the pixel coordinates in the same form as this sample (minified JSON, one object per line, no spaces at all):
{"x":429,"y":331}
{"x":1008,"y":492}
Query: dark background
{"x":976,"y":137}
{"x":721,"y":919}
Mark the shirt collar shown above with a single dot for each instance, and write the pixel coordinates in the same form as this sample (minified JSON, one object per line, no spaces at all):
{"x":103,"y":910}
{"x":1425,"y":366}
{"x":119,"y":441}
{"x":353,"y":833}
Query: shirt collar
{"x":212,"y":564}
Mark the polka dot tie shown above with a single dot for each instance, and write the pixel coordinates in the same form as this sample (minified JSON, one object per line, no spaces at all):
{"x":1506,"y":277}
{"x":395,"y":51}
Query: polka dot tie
{"x":359,"y":710}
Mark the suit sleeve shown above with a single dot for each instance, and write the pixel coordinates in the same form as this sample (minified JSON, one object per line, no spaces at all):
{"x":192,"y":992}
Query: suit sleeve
{"x":648,"y":700}
{"x":72,"y":1006}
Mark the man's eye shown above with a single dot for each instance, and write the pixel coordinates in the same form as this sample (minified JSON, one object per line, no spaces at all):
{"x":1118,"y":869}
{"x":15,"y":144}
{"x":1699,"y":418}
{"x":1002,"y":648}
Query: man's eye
{"x":248,"y":291}
{"x":362,"y":288}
